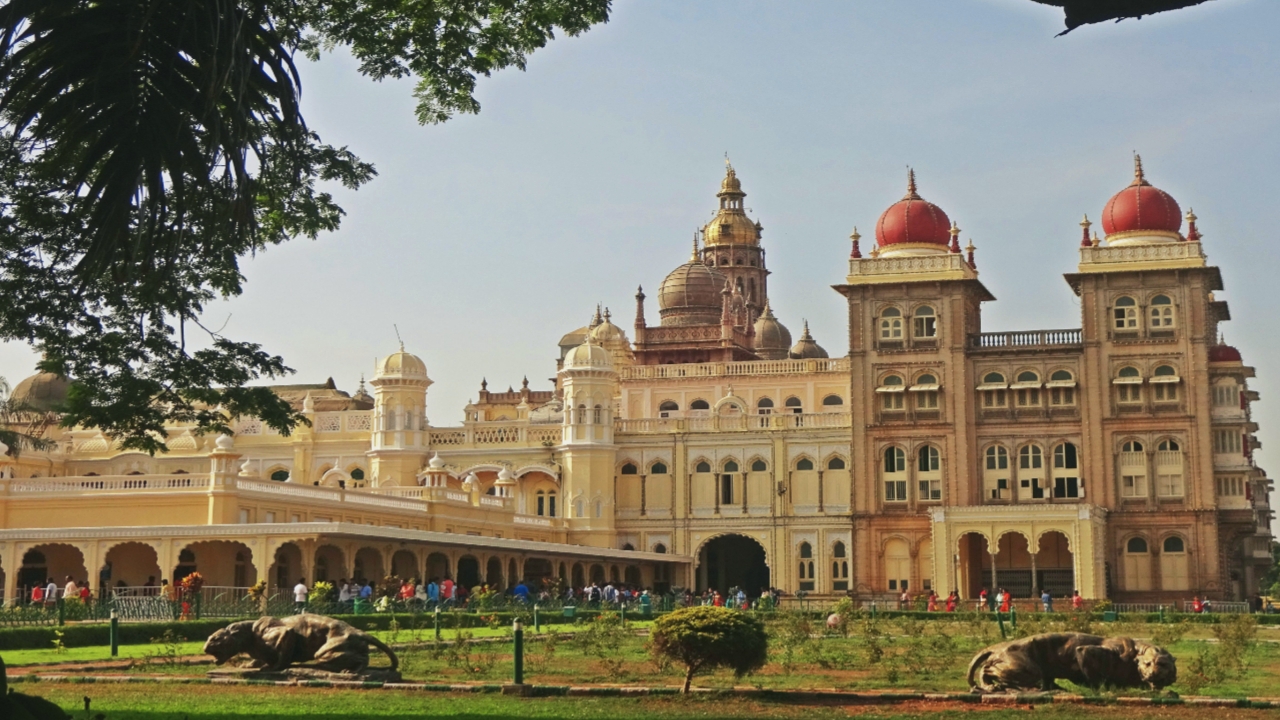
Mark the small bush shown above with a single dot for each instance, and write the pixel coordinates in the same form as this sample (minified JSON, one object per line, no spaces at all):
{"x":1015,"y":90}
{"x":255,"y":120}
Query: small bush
{"x":703,"y":638}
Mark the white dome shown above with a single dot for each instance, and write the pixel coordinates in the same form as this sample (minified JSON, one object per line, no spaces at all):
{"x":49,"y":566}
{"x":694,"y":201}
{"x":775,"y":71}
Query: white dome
{"x":435,"y":463}
{"x":402,"y":365}
{"x":588,"y":356}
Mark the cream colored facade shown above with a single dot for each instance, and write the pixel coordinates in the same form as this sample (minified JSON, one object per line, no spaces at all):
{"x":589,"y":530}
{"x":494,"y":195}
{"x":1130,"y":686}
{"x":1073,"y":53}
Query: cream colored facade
{"x":710,"y":451}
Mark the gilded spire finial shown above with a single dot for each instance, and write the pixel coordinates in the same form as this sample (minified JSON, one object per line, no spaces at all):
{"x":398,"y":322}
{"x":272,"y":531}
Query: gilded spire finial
{"x":1084,"y":229}
{"x":1138,"y":177}
{"x":955,"y":238}
{"x":694,"y":256}
{"x":1193,"y":232}
{"x":728,"y":166}
{"x":969,"y":249}
{"x":857,"y":251}
{"x":911,"y":184}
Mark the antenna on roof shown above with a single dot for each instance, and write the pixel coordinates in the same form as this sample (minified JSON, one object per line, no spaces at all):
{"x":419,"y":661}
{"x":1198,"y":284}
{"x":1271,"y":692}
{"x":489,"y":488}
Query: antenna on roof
{"x":397,"y":329}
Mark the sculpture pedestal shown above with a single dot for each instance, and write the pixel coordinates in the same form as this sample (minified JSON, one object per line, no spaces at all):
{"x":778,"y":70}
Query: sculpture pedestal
{"x":302,"y":674}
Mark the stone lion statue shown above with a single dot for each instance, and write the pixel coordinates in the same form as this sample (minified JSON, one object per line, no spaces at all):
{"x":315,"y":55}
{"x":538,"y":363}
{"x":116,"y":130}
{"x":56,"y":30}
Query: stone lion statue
{"x":274,"y":644}
{"x":1036,"y":663}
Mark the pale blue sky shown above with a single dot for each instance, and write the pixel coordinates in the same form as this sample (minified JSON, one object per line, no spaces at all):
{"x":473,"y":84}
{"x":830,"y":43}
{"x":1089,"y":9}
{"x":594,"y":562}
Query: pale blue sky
{"x":488,"y":237}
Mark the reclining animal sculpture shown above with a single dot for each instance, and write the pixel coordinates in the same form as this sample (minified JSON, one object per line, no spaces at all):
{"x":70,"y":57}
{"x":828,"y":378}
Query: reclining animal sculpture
{"x":1036,"y":663}
{"x":274,"y":644}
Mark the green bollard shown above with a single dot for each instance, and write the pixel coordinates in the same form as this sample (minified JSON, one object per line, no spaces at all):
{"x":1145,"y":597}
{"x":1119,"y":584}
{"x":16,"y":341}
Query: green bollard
{"x":1013,"y":617}
{"x":1004,"y":635}
{"x":437,"y":614}
{"x":537,"y":623}
{"x":62,"y":611}
{"x":519,"y":651}
{"x":1161,"y":614}
{"x":115,"y":634}
{"x":873,"y":609}
{"x":622,"y":612}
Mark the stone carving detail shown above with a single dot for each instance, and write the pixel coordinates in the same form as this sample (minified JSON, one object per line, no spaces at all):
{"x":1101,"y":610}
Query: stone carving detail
{"x":1036,"y":663}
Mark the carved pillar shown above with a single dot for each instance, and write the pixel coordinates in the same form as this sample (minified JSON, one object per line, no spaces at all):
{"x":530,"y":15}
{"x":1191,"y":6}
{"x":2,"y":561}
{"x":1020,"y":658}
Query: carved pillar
{"x":11,"y":561}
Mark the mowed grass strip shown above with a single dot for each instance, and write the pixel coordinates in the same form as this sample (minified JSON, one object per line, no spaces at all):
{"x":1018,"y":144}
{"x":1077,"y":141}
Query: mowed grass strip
{"x":212,"y":702}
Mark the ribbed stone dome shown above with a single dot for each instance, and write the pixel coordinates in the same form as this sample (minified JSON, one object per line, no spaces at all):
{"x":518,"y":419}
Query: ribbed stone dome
{"x":690,"y":295}
{"x":773,"y":339}
{"x":43,"y":392}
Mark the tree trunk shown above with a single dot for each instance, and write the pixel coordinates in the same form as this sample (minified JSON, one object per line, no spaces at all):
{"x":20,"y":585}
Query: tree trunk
{"x":688,"y":679}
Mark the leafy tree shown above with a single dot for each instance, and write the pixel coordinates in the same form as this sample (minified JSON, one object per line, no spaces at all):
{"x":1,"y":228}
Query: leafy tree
{"x":147,"y":146}
{"x":703,"y":638}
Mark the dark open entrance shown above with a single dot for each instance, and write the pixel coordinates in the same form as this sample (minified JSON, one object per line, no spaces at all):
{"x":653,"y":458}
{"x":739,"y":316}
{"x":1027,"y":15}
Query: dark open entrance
{"x":733,"y":561}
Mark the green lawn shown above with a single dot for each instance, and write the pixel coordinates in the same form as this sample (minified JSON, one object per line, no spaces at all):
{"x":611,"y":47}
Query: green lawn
{"x":202,"y":702}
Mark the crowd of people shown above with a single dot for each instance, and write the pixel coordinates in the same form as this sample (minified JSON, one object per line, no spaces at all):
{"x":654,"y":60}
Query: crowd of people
{"x":444,"y":593}
{"x":1002,"y":600}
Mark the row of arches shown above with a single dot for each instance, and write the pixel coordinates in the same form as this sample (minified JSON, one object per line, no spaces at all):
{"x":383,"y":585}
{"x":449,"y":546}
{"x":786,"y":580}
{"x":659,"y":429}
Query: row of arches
{"x":764,"y":405}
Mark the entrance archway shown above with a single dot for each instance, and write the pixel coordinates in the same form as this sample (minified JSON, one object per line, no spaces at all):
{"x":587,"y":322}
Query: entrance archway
{"x":468,"y":572}
{"x":733,"y":561}
{"x":493,"y":572}
{"x":288,"y":566}
{"x":535,"y":571}
{"x":330,"y":565}
{"x":368,"y":565}
{"x":1014,"y":567}
{"x":437,"y":566}
{"x":1055,"y":565}
{"x":51,"y":562}
{"x":133,"y":565}
{"x":974,"y":566}
{"x":404,"y":564}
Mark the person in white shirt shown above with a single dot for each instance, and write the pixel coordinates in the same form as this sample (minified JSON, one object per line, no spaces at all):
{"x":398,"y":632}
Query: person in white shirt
{"x":51,"y":592}
{"x":300,"y":596}
{"x":72,"y":590}
{"x":344,"y":591}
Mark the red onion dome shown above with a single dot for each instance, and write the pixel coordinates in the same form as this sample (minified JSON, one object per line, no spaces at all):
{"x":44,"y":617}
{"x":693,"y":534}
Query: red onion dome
{"x":1141,"y":208}
{"x":1224,"y":353}
{"x":913,"y":221}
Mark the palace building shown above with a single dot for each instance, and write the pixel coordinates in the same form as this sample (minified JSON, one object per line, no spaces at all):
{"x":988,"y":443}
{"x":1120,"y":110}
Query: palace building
{"x":709,"y":449}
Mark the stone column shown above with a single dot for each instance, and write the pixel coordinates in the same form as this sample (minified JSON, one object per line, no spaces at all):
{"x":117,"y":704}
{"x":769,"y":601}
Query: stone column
{"x":11,"y":561}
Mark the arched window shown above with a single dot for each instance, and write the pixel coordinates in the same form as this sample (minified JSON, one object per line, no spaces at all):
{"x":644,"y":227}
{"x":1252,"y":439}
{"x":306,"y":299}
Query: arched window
{"x":1164,"y":384}
{"x":764,"y":406}
{"x":1066,"y":471}
{"x":929,"y":473}
{"x":995,"y":474}
{"x":804,"y":464}
{"x":1133,"y":470}
{"x":547,"y":503}
{"x":1031,"y":483}
{"x":699,"y":405}
{"x":658,"y":468}
{"x":1137,"y":564}
{"x":793,"y":405}
{"x":1126,"y":313}
{"x":806,"y":567}
{"x":1028,"y":389}
{"x":628,"y":546}
{"x":925,"y":323}
{"x":839,"y":567}
{"x":1174,"y":573}
{"x":895,"y":475}
{"x":703,"y":467}
{"x":759,"y":465}
{"x":836,"y":463}
{"x":926,"y":392}
{"x":1169,"y":482}
{"x":280,"y":475}
{"x":660,"y":549}
{"x":730,"y":466}
{"x":891,"y":324}
{"x":629,"y":469}
{"x":891,"y":390}
{"x":1161,"y":313}
{"x":832,"y":400}
{"x":668,"y":406}
{"x":1062,"y":388}
{"x":1128,"y":384}
{"x":993,"y":390}
{"x":357,"y":474}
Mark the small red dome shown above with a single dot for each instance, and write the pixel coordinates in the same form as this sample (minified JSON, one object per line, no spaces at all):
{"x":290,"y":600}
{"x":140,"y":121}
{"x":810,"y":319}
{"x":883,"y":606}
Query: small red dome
{"x":1224,"y":353}
{"x":1141,"y":207}
{"x":913,"y":220}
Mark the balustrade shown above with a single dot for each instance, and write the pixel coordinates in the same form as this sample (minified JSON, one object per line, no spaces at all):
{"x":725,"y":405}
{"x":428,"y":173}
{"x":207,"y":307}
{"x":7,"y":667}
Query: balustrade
{"x":1026,"y":339}
{"x":732,"y":423}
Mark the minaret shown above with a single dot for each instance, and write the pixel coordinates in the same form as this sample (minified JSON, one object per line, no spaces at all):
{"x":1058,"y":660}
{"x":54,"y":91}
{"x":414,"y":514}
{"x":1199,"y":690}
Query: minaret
{"x":400,"y":437}
{"x":732,"y":244}
{"x":587,"y":451}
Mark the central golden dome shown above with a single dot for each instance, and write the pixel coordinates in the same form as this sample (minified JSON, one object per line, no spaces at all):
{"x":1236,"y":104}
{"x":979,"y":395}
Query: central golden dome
{"x":731,"y":226}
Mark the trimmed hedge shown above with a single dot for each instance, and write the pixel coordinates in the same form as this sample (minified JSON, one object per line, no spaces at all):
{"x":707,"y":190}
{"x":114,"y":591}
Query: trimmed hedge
{"x":99,"y":634}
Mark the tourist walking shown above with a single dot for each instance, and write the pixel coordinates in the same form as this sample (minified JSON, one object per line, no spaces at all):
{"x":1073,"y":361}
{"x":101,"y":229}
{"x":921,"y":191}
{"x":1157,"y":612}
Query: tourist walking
{"x":1077,"y":602}
{"x":933,"y":601}
{"x":1046,"y":600}
{"x":953,"y":600}
{"x":300,"y":596}
{"x":982,"y":600}
{"x":1005,"y":598}
{"x":51,"y":593}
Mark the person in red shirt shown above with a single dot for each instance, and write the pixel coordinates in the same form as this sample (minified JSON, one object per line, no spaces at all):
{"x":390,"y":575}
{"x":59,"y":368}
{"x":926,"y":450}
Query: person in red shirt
{"x":717,"y":600}
{"x":1007,"y":602}
{"x":1077,"y":602}
{"x":933,"y":601}
{"x":1197,"y":606}
{"x":952,"y":600}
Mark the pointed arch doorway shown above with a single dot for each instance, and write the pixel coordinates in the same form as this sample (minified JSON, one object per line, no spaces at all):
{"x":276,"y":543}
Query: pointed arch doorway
{"x":731,"y":561}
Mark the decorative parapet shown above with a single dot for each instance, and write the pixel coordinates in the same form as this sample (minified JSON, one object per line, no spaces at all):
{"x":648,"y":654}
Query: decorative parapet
{"x":1156,"y":255}
{"x":734,"y":369}
{"x":1027,"y":340}
{"x":951,"y":266}
{"x":497,"y":434}
{"x":731,"y":423}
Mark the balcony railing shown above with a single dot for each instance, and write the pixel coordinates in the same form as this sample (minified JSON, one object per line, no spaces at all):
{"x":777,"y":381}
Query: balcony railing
{"x":1026,"y":340}
{"x":516,"y":434}
{"x":732,"y":369}
{"x":732,"y":423}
